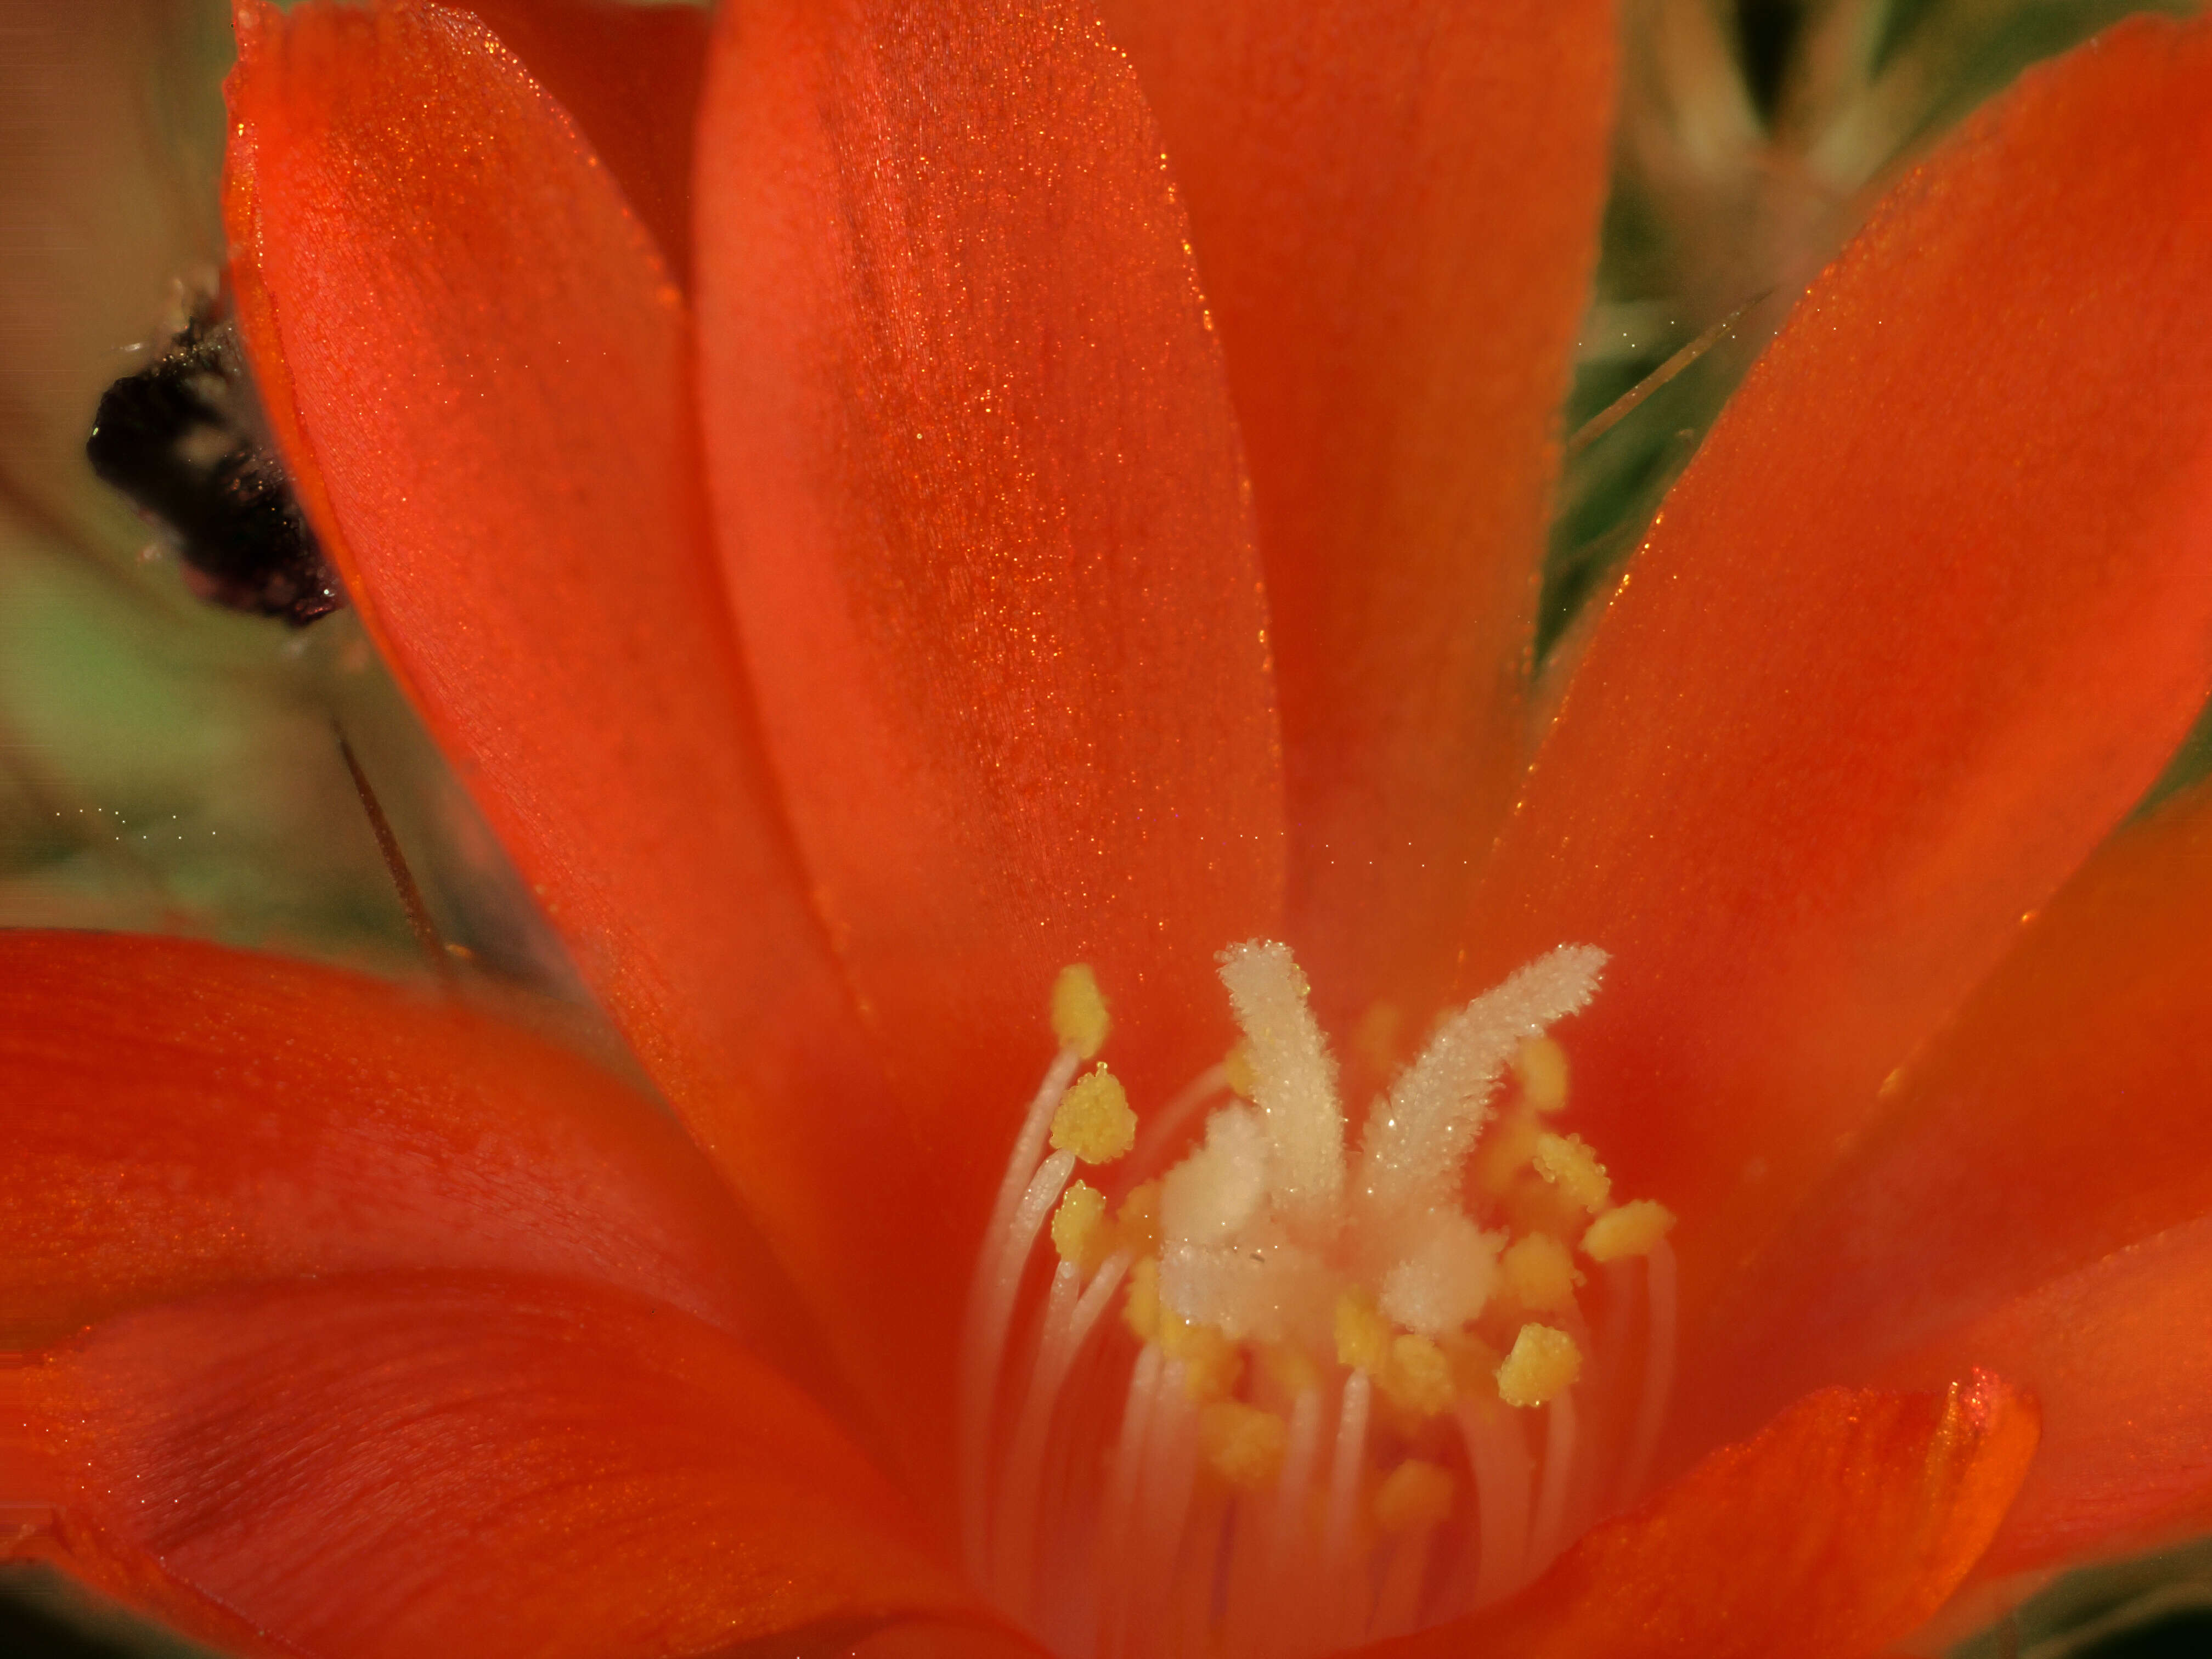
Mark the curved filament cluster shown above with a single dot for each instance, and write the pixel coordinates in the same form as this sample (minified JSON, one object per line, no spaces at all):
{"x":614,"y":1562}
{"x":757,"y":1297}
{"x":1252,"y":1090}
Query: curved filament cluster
{"x":1344,"y":1395}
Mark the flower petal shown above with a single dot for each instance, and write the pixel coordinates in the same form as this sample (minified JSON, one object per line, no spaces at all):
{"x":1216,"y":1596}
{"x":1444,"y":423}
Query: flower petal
{"x":1840,"y":1527}
{"x":2117,"y":1357}
{"x":460,"y":1464}
{"x":1923,"y":619}
{"x":628,"y":77}
{"x":1394,"y":204}
{"x":482,"y":378}
{"x":2059,"y":1116}
{"x":940,"y":1640}
{"x":982,"y":507}
{"x":183,"y":1118}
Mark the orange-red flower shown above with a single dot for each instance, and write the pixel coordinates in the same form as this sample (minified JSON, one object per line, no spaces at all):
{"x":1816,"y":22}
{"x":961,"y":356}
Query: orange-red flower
{"x":850,"y":606}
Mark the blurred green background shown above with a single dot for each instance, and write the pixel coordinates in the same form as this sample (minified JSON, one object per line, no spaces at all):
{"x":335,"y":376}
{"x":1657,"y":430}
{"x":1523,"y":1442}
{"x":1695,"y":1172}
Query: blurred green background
{"x":165,"y":766}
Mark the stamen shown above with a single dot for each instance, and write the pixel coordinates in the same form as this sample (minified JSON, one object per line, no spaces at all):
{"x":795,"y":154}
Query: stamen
{"x":1658,"y":1367}
{"x":1079,"y":1225}
{"x":1319,"y":1395}
{"x":1504,"y":1473}
{"x":1286,"y":1569}
{"x":1167,"y":1128}
{"x":1117,"y":1523}
{"x":1079,"y":1018}
{"x":1560,"y":1437}
{"x":1544,"y":1363}
{"x":1344,"y":1471}
{"x":1170,"y":1478}
{"x":1540,"y":1274}
{"x":1541,"y":1066}
{"x":1413,"y":1501}
{"x":1093,"y":1120}
{"x":1569,"y":1164}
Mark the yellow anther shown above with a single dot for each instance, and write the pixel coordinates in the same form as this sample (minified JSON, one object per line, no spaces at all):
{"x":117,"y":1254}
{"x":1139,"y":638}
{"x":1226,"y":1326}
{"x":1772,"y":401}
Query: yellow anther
{"x":1079,"y":1011}
{"x":1140,"y":1311}
{"x":1417,"y":1378}
{"x":1568,"y":1163}
{"x":1242,"y":1444}
{"x":1540,"y":1274}
{"x":1236,"y":1070}
{"x":1631,"y":1229}
{"x":1290,"y":1369}
{"x":1504,"y":1152}
{"x":1544,"y":1364}
{"x":1212,"y":1364}
{"x":1137,"y":1223}
{"x":1094,"y":1120}
{"x":1362,"y":1335}
{"x":1079,"y":1232}
{"x":1412,"y":1497}
{"x":1541,"y":1066}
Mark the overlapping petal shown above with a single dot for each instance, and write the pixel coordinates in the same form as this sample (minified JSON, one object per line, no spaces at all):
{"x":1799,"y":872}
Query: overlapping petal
{"x":1733,"y":1562}
{"x":183,"y":1118}
{"x":488,"y":413}
{"x":1395,"y":205}
{"x":2116,"y":1355}
{"x":2058,"y":1118}
{"x":979,"y":494}
{"x":1922,"y":621}
{"x":457,"y":1463}
{"x":628,"y":77}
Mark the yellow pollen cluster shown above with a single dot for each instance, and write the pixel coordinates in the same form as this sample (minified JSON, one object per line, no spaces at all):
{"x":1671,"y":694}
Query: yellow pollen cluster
{"x":1568,"y":1163}
{"x":1543,"y":1365}
{"x":1630,"y":1231}
{"x":1244,"y":1444}
{"x":1079,"y":1011}
{"x":1094,"y":1120}
{"x":1412,"y":1497}
{"x":1079,"y":1225}
{"x":1541,"y":1068}
{"x":1412,"y":1373}
{"x":1236,"y":1071}
{"x":1540,"y":1274}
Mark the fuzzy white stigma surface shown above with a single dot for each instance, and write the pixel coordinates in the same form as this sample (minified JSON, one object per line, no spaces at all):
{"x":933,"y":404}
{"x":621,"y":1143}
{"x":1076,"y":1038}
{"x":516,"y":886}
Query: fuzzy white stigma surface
{"x":1347,"y":1395}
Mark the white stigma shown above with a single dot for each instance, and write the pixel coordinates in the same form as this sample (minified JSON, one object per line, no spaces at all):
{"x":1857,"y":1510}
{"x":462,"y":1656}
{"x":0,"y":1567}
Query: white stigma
{"x":1416,"y":1146}
{"x":1293,"y":1083}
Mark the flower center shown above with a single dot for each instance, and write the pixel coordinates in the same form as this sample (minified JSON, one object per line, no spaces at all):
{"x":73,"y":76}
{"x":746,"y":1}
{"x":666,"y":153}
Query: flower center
{"x":1348,"y":1396}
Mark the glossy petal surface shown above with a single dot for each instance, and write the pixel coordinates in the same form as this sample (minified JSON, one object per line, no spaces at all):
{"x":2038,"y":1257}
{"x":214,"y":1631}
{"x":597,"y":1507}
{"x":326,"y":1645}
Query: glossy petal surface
{"x":489,"y":413}
{"x":981,"y":503}
{"x":2117,"y":1357}
{"x":1926,"y":615}
{"x":2060,"y":1117}
{"x":1394,"y":204}
{"x":628,"y":77}
{"x":1837,"y":1529}
{"x":463,"y":1465}
{"x":183,"y":1118}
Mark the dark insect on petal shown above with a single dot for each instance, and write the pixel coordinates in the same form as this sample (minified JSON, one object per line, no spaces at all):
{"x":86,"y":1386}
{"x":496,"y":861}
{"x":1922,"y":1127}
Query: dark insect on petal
{"x":183,"y":439}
